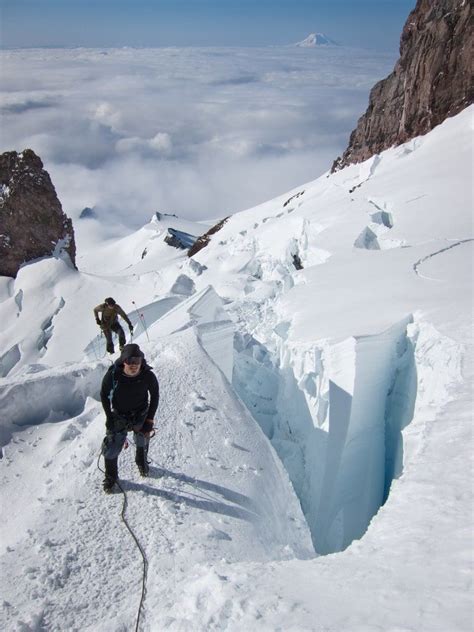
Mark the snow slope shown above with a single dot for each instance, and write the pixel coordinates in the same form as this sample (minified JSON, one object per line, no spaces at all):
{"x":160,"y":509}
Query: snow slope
{"x":49,"y":297}
{"x":314,"y":439}
{"x":213,"y":476}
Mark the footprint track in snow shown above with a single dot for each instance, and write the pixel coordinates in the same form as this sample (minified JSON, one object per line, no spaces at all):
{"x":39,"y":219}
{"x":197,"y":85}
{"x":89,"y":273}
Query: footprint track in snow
{"x":198,"y":403}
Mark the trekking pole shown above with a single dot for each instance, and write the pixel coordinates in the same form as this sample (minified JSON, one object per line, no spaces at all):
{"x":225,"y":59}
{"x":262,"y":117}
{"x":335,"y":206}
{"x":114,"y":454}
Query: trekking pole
{"x":142,"y":318}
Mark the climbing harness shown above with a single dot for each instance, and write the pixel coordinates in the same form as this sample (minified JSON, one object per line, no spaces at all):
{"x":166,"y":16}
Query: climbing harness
{"x":139,"y":546}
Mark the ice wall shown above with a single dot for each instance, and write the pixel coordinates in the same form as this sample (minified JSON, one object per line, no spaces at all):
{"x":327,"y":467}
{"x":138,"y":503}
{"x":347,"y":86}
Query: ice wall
{"x":46,"y":395}
{"x":205,"y":312}
{"x":357,"y":456}
{"x":334,"y":414}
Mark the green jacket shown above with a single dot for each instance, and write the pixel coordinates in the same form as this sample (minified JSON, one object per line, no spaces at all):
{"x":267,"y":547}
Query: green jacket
{"x":110,"y":314}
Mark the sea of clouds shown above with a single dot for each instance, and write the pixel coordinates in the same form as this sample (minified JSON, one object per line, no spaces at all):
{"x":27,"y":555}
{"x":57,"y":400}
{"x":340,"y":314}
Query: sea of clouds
{"x":197,"y":132}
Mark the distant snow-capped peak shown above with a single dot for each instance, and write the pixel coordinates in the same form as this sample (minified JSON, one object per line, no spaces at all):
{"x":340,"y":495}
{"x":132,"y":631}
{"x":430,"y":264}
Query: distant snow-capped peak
{"x":316,"y":39}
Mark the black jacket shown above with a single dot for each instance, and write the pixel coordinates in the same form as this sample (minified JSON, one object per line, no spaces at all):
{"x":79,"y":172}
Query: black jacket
{"x":128,"y":395}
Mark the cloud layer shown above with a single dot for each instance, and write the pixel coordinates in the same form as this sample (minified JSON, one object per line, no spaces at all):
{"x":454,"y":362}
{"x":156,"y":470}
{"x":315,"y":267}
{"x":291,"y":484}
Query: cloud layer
{"x":197,"y":132}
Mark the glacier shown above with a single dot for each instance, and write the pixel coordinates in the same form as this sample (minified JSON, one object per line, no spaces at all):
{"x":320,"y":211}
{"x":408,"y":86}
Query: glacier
{"x":314,"y":436}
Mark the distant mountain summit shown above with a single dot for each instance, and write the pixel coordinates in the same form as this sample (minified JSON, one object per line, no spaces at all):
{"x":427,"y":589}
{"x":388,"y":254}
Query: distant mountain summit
{"x":316,"y":39}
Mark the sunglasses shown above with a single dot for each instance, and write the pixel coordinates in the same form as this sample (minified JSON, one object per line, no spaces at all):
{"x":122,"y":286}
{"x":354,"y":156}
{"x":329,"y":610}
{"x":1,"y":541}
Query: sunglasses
{"x":133,"y":361}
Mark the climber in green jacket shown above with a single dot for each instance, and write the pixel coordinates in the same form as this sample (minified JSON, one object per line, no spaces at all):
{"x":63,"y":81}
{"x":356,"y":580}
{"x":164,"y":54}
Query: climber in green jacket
{"x":110,"y":311}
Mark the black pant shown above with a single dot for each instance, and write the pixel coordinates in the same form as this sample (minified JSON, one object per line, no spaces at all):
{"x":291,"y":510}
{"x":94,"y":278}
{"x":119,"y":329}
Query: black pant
{"x":117,"y":328}
{"x":115,"y":438}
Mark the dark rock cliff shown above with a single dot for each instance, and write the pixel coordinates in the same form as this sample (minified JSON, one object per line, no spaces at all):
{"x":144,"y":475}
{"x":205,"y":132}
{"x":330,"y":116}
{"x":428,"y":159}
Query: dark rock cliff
{"x":430,"y":81}
{"x":32,"y":222}
{"x":202,"y":241}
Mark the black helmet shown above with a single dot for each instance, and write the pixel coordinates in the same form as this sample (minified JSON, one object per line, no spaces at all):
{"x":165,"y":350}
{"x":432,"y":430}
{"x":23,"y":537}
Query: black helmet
{"x":109,"y":301}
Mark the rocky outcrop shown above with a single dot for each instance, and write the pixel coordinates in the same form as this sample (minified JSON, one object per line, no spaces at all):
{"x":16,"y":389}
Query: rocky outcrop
{"x":430,"y":82}
{"x":202,"y":241}
{"x":32,"y":222}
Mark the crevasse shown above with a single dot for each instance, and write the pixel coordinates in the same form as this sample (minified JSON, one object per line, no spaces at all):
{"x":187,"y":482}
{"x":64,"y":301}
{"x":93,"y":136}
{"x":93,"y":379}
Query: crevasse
{"x":334,"y":414}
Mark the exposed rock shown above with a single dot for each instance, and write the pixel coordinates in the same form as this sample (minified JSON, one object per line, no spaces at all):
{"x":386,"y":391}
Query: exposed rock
{"x":160,"y":216}
{"x":297,"y":262}
{"x":32,"y":222}
{"x":430,"y":82}
{"x":202,"y":241}
{"x":294,"y":197}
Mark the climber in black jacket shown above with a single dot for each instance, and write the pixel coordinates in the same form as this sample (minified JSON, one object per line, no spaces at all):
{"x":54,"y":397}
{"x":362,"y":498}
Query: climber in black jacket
{"x":129,"y":395}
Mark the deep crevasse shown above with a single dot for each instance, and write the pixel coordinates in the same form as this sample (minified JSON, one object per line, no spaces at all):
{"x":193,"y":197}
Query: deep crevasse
{"x":334,"y":415}
{"x":333,"y":409}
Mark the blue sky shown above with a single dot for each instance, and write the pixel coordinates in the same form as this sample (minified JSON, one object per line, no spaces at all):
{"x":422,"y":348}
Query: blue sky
{"x":105,"y":23}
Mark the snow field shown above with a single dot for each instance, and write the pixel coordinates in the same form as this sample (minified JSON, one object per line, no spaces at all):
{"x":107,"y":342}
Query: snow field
{"x":357,"y":367}
{"x":213,"y":475}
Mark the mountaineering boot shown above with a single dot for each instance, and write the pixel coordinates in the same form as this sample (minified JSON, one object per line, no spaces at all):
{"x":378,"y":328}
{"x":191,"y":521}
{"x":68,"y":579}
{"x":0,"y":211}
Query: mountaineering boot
{"x":141,"y":461}
{"x":108,"y":485}
{"x":111,"y":475}
{"x":144,"y":470}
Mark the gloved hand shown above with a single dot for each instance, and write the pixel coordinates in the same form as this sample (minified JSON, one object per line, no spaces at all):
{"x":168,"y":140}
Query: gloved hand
{"x":109,"y":423}
{"x":148,"y":428}
{"x":98,"y":321}
{"x":130,"y":326}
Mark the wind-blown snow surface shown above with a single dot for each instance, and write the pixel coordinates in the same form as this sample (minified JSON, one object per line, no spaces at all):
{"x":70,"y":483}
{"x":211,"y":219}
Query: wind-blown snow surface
{"x":318,"y":350}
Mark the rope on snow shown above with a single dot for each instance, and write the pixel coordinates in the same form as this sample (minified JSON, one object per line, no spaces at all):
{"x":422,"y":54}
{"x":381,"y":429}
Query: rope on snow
{"x":139,"y":546}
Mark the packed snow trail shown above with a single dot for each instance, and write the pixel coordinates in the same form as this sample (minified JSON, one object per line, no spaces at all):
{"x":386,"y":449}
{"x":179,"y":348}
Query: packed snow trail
{"x":216,"y":491}
{"x":137,"y":542}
